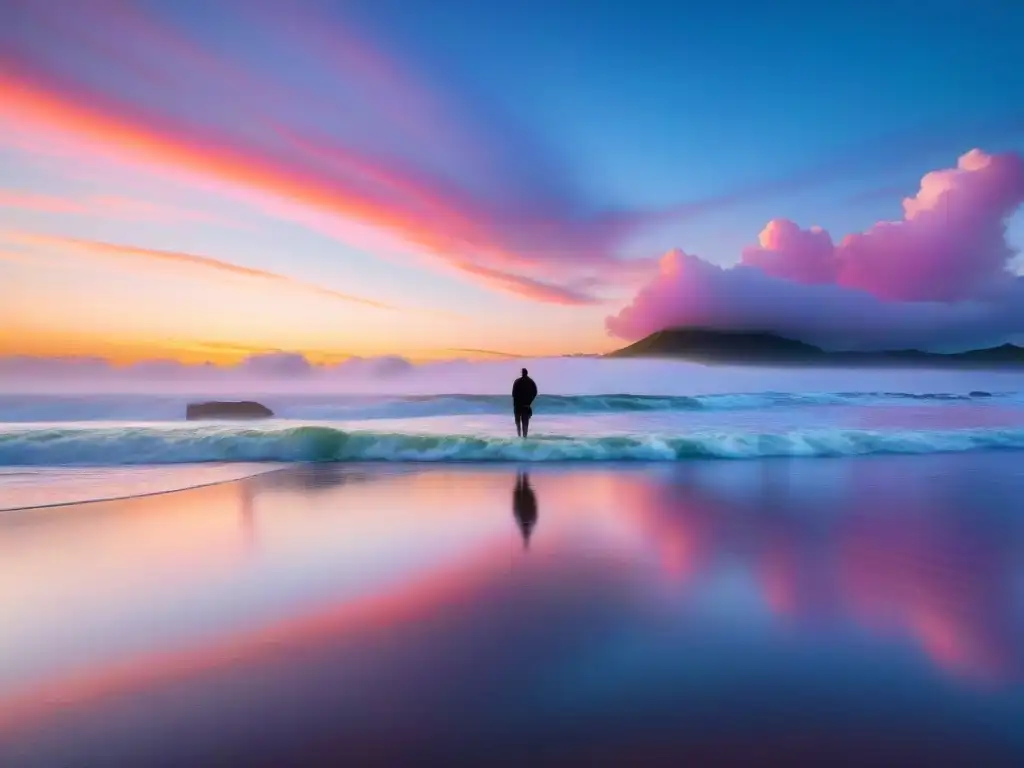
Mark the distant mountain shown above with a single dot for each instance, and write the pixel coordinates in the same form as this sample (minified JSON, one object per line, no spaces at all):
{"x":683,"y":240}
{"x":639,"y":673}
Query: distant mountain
{"x":755,"y":348}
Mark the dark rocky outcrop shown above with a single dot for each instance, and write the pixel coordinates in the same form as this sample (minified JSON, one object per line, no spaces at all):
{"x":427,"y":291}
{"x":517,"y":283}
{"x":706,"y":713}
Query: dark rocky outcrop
{"x":724,"y":346}
{"x":246,"y":409}
{"x":752,"y":348}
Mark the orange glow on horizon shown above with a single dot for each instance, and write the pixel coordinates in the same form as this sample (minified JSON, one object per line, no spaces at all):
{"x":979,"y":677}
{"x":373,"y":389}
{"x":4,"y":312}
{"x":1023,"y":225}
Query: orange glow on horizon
{"x":125,"y":352}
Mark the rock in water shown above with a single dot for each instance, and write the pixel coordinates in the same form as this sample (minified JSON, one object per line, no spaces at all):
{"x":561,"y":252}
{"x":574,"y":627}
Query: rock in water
{"x":245,"y":409}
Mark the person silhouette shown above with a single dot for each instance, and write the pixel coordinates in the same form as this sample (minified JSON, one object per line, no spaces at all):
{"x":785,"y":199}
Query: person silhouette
{"x":524,"y":506}
{"x":524,"y":392}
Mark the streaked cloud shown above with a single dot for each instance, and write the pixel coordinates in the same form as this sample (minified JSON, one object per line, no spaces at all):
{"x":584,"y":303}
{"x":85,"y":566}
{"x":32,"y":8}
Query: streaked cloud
{"x":478,"y":194}
{"x":529,"y":287}
{"x":484,"y":352}
{"x":31,"y":201}
{"x":99,"y":249}
{"x":108,"y":206}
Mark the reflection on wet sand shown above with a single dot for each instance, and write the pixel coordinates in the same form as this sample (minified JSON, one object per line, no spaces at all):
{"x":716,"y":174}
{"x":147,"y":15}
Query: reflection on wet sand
{"x":524,"y":505}
{"x":385,"y":605}
{"x":891,"y":555}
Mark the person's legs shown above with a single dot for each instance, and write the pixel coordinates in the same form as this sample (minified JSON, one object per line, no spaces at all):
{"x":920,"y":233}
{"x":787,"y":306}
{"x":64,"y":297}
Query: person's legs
{"x":519,"y":426}
{"x":526,"y":425}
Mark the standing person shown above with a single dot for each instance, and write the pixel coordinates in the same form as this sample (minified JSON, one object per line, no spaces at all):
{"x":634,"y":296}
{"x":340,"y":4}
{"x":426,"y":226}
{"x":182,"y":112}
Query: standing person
{"x":524,"y":391}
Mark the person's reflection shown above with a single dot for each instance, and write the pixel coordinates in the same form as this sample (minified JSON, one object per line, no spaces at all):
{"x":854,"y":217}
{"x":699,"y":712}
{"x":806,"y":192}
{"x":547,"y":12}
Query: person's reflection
{"x":524,"y":504}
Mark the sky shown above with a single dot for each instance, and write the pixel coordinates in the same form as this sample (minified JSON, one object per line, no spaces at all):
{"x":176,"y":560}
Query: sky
{"x":195,"y":181}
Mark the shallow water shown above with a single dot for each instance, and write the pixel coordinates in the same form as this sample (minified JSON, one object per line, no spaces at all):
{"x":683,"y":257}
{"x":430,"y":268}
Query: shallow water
{"x":755,"y":612}
{"x":45,"y":460}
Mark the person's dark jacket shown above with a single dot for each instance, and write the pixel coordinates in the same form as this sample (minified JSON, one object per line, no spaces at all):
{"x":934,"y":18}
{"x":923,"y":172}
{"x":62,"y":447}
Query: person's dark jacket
{"x":524,"y":391}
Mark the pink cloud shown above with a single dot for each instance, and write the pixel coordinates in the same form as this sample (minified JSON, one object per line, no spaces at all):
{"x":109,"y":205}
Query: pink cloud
{"x":30,"y":201}
{"x":950,"y":244}
{"x":109,"y":206}
{"x":801,"y":255}
{"x":938,"y":276}
{"x":195,"y":262}
{"x":117,"y":206}
{"x":435,"y":171}
{"x":529,"y":287}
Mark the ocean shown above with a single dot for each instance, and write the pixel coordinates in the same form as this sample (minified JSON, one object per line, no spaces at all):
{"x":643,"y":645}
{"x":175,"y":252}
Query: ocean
{"x":114,"y":430}
{"x":60,"y":449}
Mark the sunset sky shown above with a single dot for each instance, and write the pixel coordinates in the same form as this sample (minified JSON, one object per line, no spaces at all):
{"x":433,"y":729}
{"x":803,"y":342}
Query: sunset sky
{"x":209,"y":180}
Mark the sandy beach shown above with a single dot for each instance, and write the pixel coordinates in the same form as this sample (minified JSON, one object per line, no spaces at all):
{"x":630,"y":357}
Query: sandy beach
{"x":863,"y":609}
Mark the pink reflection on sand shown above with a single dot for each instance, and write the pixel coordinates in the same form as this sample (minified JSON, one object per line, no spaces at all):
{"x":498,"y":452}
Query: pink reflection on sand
{"x":175,"y":586}
{"x":896,"y":569}
{"x":349,"y":556}
{"x":909,"y":576}
{"x":82,"y":687}
{"x":417,"y":543}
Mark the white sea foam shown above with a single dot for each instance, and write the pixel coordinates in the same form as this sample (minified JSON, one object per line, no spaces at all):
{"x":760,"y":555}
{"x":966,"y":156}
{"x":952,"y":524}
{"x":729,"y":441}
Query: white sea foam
{"x":128,"y":445}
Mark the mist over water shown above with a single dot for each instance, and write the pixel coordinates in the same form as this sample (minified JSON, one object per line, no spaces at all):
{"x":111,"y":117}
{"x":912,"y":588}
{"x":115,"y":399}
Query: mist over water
{"x":291,"y":374}
{"x":458,"y":411}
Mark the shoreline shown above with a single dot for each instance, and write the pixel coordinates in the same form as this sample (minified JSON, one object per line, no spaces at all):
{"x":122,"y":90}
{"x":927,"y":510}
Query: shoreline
{"x":382,"y":469}
{"x":278,"y":467}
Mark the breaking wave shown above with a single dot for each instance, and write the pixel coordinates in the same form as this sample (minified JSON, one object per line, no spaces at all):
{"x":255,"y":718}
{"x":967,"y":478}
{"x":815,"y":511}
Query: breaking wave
{"x":116,"y":446}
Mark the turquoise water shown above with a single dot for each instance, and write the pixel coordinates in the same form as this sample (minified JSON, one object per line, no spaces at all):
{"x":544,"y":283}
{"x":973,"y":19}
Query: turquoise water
{"x":608,"y":428}
{"x":65,"y":449}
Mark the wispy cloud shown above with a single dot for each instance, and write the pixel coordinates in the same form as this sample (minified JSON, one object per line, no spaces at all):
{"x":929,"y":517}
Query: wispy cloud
{"x":207,"y":264}
{"x":109,"y":206}
{"x":221,"y":349}
{"x":31,"y":201}
{"x":529,"y":287}
{"x":475,"y":191}
{"x":484,"y":352}
{"x":14,"y":257}
{"x":117,"y":206}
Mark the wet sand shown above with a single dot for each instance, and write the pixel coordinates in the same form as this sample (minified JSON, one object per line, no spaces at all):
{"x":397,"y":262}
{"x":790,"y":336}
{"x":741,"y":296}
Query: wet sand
{"x":845,"y":612}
